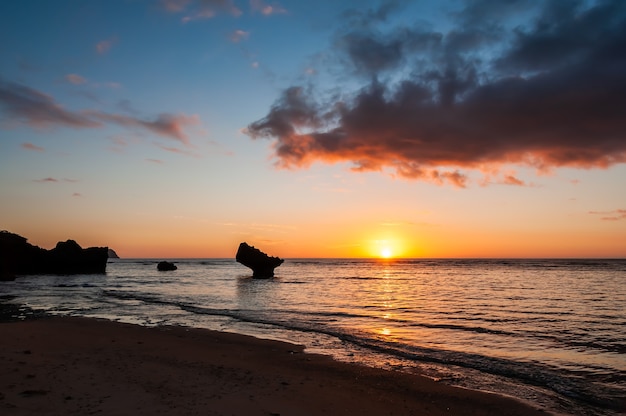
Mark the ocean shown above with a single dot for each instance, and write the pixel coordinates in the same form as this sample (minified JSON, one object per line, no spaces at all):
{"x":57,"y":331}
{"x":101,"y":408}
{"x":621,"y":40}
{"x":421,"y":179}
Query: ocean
{"x":549,"y":332}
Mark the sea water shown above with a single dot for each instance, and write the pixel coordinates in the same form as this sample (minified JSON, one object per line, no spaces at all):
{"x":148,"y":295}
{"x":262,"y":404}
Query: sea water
{"x":550,"y":332}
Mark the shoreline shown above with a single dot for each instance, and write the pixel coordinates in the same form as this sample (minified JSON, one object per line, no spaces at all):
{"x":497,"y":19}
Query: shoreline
{"x":71,"y":365}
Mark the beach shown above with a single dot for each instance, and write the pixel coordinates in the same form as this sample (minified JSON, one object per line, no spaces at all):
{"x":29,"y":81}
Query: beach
{"x":63,"y":365}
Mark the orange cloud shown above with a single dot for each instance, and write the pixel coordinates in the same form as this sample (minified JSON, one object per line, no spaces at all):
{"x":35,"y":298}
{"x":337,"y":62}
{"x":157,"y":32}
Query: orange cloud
{"x":433,"y":105}
{"x":616,"y":215}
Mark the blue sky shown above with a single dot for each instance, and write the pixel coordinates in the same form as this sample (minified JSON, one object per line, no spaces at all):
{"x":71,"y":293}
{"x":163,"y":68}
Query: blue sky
{"x":181,"y":127}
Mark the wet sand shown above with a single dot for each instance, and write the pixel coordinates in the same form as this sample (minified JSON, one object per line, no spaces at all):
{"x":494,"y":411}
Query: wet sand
{"x":79,"y":366}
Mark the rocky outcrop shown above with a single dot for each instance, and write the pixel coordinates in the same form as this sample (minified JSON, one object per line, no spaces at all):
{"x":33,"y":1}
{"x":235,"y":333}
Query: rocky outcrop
{"x":165,"y":266}
{"x":19,"y":257}
{"x":261,"y":264}
{"x":112,"y":254}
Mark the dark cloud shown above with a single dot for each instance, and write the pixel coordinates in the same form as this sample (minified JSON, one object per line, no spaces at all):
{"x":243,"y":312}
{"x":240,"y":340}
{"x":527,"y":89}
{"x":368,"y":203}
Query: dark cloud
{"x":364,"y":17}
{"x":36,"y":109}
{"x":470,"y":105}
{"x":565,"y":34}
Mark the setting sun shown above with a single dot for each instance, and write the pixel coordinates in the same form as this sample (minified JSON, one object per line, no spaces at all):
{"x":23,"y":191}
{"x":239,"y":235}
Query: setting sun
{"x":386,"y":253}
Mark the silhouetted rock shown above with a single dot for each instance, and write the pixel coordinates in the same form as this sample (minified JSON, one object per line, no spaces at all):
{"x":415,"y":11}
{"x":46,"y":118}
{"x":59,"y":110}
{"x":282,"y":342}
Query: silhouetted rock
{"x":261,"y":264}
{"x":18,"y":257}
{"x":112,"y":254}
{"x":165,"y":266}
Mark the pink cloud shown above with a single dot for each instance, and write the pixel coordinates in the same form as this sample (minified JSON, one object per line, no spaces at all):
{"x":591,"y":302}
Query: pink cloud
{"x":174,"y":6}
{"x":30,"y":146}
{"x":157,"y":161}
{"x":167,"y":125}
{"x":239,"y":35}
{"x":46,"y":180}
{"x":75,"y":79}
{"x":77,"y":194}
{"x":177,"y":150}
{"x":104,"y":46}
{"x":200,"y":9}
{"x":266,"y":9}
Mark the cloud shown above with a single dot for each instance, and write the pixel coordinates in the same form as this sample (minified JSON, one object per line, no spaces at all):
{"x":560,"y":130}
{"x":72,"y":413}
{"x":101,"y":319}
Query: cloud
{"x":364,"y":16}
{"x":36,"y":109}
{"x":239,"y":35}
{"x":30,"y":146}
{"x":178,"y":151}
{"x":200,"y":9}
{"x":77,"y":194}
{"x":167,"y":125}
{"x":75,"y":79}
{"x":259,"y":6}
{"x":550,"y":93}
{"x":616,"y":215}
{"x":55,"y":180}
{"x":175,"y":6}
{"x":104,"y":46}
{"x":157,"y":161}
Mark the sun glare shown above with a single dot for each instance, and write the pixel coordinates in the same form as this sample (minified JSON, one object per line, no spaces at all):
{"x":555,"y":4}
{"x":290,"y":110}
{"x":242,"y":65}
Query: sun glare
{"x":386,"y":253}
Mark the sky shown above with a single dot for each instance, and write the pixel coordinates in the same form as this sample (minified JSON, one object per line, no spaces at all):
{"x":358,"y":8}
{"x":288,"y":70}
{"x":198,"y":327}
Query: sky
{"x":353,"y":128}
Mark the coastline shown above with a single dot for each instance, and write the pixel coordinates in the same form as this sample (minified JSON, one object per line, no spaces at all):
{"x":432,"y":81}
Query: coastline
{"x":69,"y":365}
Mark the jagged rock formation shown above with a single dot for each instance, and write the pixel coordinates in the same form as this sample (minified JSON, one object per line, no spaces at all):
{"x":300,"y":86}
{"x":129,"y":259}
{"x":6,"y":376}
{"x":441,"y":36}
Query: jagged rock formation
{"x":112,"y":254}
{"x":261,"y":264}
{"x":165,"y":266}
{"x":18,"y":257}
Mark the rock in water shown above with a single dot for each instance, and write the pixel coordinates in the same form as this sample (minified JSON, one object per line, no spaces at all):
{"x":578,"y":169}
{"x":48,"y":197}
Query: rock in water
{"x":166,"y":266}
{"x":113,"y":254}
{"x":261,"y":264}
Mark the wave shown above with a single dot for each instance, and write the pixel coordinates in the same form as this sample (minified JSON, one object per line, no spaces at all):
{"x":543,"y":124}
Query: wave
{"x":596,"y":391}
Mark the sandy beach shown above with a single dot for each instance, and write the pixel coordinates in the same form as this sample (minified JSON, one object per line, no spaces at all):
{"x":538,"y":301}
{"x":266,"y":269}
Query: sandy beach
{"x":68,"y":366}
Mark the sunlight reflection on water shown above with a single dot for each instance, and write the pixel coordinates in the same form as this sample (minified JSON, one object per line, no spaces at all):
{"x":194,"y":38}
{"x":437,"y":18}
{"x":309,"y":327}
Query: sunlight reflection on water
{"x":565,"y":316}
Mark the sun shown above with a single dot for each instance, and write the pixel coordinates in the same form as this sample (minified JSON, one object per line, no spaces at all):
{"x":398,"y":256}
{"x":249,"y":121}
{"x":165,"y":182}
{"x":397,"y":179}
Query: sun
{"x":386,"y":253}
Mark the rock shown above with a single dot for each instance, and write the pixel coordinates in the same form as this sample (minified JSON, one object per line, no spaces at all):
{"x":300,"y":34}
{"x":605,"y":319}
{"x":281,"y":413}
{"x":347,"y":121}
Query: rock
{"x":18,"y":257}
{"x":112,"y":254}
{"x":261,"y":264}
{"x":165,"y":266}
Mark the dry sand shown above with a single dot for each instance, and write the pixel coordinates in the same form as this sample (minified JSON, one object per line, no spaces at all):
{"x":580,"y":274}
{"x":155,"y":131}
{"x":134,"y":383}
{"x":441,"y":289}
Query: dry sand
{"x":78,"y":366}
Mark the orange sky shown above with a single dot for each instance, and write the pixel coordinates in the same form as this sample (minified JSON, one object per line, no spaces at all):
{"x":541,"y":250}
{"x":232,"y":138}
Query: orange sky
{"x":315,"y":129}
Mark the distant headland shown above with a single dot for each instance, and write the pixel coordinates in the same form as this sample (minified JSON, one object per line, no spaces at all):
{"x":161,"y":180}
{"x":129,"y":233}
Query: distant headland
{"x":19,"y":257}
